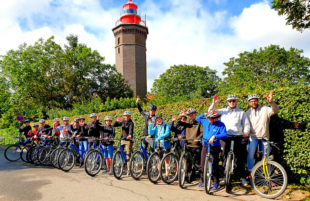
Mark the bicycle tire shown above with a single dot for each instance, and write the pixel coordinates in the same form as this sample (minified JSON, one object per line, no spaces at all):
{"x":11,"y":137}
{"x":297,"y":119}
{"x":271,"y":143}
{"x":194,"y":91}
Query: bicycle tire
{"x":207,"y":174}
{"x":23,"y":154}
{"x":276,"y":171}
{"x":42,"y":154}
{"x":228,"y":186}
{"x":173,"y":163}
{"x":34,"y":155}
{"x":12,"y":153}
{"x":152,"y":168}
{"x":117,"y":165}
{"x":55,"y":155}
{"x":66,"y":160}
{"x":182,"y":170}
{"x":91,"y":165}
{"x":136,"y":164}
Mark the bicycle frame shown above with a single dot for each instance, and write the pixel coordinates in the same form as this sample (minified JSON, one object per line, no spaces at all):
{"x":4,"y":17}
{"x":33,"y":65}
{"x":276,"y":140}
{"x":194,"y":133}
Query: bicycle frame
{"x":120,"y":148}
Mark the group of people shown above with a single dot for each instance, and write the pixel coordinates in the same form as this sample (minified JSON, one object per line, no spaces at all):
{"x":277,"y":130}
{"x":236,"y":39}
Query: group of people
{"x":216,"y":128}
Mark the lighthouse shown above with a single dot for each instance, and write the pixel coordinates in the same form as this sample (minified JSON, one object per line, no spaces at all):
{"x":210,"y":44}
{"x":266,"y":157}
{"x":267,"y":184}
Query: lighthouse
{"x":130,"y":34}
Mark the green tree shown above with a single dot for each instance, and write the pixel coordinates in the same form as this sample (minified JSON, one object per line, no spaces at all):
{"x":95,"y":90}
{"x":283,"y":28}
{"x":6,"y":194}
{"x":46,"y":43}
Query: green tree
{"x":185,"y":82}
{"x":297,"y":12}
{"x":265,"y":69}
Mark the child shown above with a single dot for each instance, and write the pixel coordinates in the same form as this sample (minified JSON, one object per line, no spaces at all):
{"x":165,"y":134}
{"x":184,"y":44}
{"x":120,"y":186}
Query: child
{"x":213,"y":131}
{"x":108,"y":134}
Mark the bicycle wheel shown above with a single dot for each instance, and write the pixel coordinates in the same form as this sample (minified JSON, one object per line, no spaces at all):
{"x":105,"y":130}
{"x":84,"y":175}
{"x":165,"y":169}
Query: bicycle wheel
{"x":93,"y":163}
{"x":12,"y":153}
{"x":207,"y":174}
{"x":136,"y":164}
{"x":24,"y":153}
{"x":34,"y":155}
{"x":228,"y":173}
{"x":117,"y":165}
{"x":272,"y":186}
{"x":169,"y":168}
{"x":182,"y":171}
{"x":54,"y":156}
{"x":153,"y":168}
{"x":66,"y":160}
{"x":42,"y":154}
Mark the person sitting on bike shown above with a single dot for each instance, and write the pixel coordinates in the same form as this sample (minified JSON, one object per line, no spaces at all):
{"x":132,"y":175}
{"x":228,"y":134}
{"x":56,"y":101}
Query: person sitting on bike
{"x":56,"y":123}
{"x":259,"y":117}
{"x":94,"y":128}
{"x":83,"y":132}
{"x":127,"y":132}
{"x":213,"y":131}
{"x":108,"y":134}
{"x":33,"y":133}
{"x":178,"y":129}
{"x":194,"y":133}
{"x":45,"y":130}
{"x":148,"y":117}
{"x":237,"y":126}
{"x":25,"y":129}
{"x":65,"y":130}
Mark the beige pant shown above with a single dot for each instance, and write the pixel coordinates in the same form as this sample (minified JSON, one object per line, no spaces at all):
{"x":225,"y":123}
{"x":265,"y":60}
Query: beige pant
{"x":128,"y":148}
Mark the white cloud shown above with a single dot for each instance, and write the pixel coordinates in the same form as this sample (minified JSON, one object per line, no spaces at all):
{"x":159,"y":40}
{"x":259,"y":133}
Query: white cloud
{"x":181,"y":33}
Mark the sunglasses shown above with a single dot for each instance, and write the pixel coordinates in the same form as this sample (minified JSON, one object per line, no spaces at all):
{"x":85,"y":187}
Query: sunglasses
{"x":232,"y":101}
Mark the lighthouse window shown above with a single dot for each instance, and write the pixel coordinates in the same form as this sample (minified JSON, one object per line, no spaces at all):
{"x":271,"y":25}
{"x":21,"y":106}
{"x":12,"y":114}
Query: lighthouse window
{"x":118,"y":50}
{"x":118,"y":40}
{"x":131,"y":11}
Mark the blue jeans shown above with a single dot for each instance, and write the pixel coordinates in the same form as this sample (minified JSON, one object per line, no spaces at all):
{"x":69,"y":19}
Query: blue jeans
{"x":108,"y":151}
{"x":252,"y":149}
{"x":83,"y":147}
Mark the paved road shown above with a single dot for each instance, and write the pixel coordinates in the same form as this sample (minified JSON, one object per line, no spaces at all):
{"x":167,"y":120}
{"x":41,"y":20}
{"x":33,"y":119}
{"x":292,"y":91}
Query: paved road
{"x":20,"y":181}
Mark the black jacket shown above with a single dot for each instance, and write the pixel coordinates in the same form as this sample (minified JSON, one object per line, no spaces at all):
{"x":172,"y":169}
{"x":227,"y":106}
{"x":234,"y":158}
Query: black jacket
{"x":108,"y":131}
{"x":94,"y":129}
{"x":25,"y":130}
{"x":147,"y":118}
{"x":127,"y":128}
{"x":46,"y":130}
{"x":83,"y":132}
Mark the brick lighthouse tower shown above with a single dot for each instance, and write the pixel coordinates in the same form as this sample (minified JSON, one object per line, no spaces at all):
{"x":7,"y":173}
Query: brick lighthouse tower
{"x":130,"y":35}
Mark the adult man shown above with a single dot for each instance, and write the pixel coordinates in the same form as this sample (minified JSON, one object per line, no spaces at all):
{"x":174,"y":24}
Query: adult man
{"x":45,"y":130}
{"x":259,"y":117}
{"x":25,"y":129}
{"x":237,"y":127}
{"x":194,"y":133}
{"x":149,"y":117}
{"x":127,"y":132}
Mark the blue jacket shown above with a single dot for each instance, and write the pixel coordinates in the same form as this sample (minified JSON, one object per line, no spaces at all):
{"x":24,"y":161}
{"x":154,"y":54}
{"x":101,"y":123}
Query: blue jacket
{"x":165,"y":132}
{"x":217,"y":129}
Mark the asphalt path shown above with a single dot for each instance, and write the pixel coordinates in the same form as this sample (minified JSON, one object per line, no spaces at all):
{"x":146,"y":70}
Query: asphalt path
{"x":20,"y":181}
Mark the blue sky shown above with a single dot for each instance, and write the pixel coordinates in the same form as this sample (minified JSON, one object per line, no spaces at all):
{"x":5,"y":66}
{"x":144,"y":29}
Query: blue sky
{"x":194,"y":32}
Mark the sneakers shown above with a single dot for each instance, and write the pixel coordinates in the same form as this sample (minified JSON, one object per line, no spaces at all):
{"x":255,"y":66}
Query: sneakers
{"x":201,"y":185}
{"x":222,"y":182}
{"x":244,"y":181}
{"x":215,"y":186}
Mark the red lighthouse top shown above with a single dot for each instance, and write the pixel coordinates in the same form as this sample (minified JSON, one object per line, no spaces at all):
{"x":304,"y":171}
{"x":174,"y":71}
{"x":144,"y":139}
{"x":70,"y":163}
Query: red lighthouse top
{"x":130,"y":15}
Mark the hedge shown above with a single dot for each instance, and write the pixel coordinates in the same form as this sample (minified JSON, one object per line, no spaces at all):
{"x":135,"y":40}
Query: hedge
{"x":290,"y":127}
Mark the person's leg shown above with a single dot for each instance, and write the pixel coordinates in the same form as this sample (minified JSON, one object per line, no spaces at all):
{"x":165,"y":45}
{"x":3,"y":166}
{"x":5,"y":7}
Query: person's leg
{"x":202,"y":162}
{"x":215,"y":152}
{"x":81,"y":148}
{"x":251,"y":153}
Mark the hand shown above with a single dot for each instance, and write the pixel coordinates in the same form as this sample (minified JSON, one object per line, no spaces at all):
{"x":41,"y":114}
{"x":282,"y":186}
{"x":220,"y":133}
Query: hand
{"x":157,"y":141}
{"x":212,"y":139}
{"x":22,"y":127}
{"x":120,"y":119}
{"x":128,"y":137}
{"x":183,"y":112}
{"x":195,"y":140}
{"x":148,"y":137}
{"x":269,"y":97}
{"x":138,"y":99}
{"x":106,"y":138}
{"x":40,"y":133}
{"x":99,"y":117}
{"x":180,"y":137}
{"x":245,"y":135}
{"x":215,"y":99}
{"x":174,"y":118}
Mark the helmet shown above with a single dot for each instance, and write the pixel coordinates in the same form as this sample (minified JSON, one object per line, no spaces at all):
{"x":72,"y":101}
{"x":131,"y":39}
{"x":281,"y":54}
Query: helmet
{"x":76,"y":120}
{"x":108,"y":118}
{"x":42,"y":121}
{"x":191,"y":111}
{"x":214,"y":114}
{"x":65,"y":118}
{"x":127,"y":113}
{"x":56,"y":119}
{"x":158,"y":116}
{"x":34,"y":125}
{"x":81,"y":118}
{"x":152,"y":107}
{"x":232,"y":97}
{"x":252,"y":97}
{"x":27,"y":121}
{"x":92,"y":115}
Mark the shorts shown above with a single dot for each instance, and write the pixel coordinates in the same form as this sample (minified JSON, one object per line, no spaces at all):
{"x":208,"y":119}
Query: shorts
{"x":108,"y":151}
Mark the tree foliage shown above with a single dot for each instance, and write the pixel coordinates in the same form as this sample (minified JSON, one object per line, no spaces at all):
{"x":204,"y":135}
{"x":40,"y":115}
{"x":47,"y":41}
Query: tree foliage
{"x":265,"y":69}
{"x":297,"y":12}
{"x":185,"y":81}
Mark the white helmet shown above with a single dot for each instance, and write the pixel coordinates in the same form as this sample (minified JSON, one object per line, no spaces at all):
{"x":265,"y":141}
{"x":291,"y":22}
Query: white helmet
{"x":108,"y":118}
{"x":127,"y":113}
{"x":42,"y":121}
{"x":252,"y":97}
{"x":92,"y":115}
{"x":232,"y":97}
{"x":65,"y":118}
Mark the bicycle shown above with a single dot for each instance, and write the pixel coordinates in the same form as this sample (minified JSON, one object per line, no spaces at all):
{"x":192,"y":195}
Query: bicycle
{"x":170,"y":162}
{"x":14,"y":152}
{"x":185,"y":159}
{"x":153,"y":164}
{"x":207,"y":171}
{"x":119,"y":161}
{"x":269,"y":178}
{"x":138,"y":161}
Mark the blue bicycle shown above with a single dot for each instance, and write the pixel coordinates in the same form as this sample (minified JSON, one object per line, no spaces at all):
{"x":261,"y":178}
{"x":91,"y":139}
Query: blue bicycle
{"x":119,"y":161}
{"x":15,"y":152}
{"x":207,"y":171}
{"x":138,"y":161}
